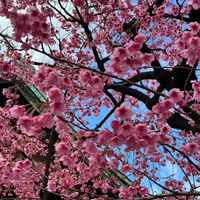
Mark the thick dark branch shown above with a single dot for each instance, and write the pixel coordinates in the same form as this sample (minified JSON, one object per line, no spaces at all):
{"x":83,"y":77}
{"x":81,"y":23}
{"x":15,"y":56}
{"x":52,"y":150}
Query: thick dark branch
{"x":110,"y":96}
{"x":138,"y":77}
{"x":103,"y":60}
{"x":129,"y":91}
{"x":100,"y":62}
{"x":194,"y":15}
{"x":163,"y":76}
{"x":52,"y":140}
{"x":131,"y":27}
{"x":175,"y":121}
{"x":141,"y":76}
{"x":192,"y":114}
{"x":157,"y":3}
{"x":40,"y":63}
{"x":178,"y":122}
{"x":155,"y":99}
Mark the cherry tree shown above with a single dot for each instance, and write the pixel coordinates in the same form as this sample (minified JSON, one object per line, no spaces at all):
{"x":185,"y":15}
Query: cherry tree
{"x":121,"y":113}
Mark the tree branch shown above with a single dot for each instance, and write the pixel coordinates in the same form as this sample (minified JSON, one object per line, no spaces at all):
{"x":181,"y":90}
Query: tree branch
{"x":52,"y":140}
{"x":100,"y":62}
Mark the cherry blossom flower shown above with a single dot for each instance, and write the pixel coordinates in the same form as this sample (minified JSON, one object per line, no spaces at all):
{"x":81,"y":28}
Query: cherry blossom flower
{"x":191,"y":147}
{"x":57,"y":107}
{"x":115,"y":124}
{"x":56,"y":95}
{"x":194,"y":3}
{"x":140,"y":38}
{"x":67,"y":160}
{"x":84,"y":76}
{"x":176,"y":95}
{"x":123,"y":112}
{"x":148,"y":58}
{"x":79,"y":3}
{"x":51,"y":186}
{"x":17,"y":111}
{"x":62,"y":148}
{"x":133,"y":47}
{"x":119,"y":54}
{"x":26,"y":124}
{"x":194,"y":27}
{"x":46,"y":120}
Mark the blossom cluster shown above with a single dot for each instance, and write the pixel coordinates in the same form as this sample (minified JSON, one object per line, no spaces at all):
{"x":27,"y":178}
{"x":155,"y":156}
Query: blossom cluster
{"x":130,"y":56}
{"x":30,"y":125}
{"x":33,"y":23}
{"x":135,"y":137}
{"x":45,"y":77}
{"x":189,"y":44}
{"x":91,"y":81}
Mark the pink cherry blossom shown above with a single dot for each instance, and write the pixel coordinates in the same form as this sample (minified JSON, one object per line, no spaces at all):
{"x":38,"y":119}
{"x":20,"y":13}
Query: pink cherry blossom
{"x":57,"y":107}
{"x":84,"y":76}
{"x":148,"y":58}
{"x":191,"y":148}
{"x":62,"y":148}
{"x":115,"y":124}
{"x":119,"y":53}
{"x":51,"y":186}
{"x":67,"y":161}
{"x":140,"y":38}
{"x":187,"y":35}
{"x":25,"y":123}
{"x":56,"y":95}
{"x":123,"y":112}
{"x":46,"y":120}
{"x":194,"y":27}
{"x":168,"y":103}
{"x":17,"y":111}
{"x":176,"y":95}
{"x":133,"y":47}
{"x":79,"y":3}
